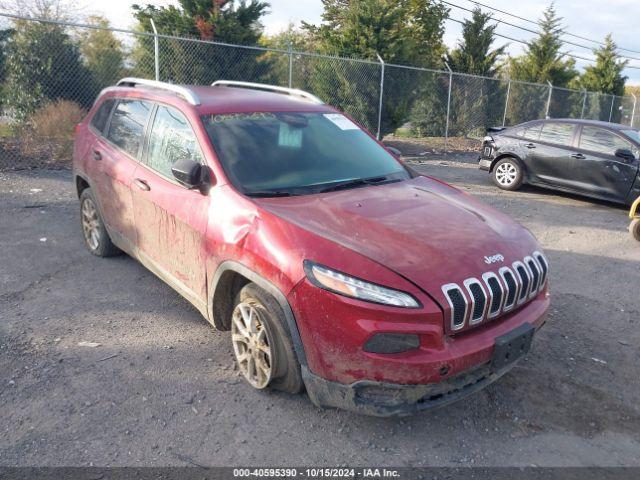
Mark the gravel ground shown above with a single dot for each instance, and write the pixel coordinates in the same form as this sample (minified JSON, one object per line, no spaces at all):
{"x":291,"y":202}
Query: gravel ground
{"x":161,"y":388}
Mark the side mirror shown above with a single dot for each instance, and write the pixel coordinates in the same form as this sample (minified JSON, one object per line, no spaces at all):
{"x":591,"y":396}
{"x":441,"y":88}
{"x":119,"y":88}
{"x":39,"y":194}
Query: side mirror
{"x":625,"y":154}
{"x":394,"y":151}
{"x":188,"y":173}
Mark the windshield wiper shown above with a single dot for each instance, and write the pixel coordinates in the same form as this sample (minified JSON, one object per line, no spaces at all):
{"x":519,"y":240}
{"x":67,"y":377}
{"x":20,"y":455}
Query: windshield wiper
{"x":269,"y":193}
{"x":357,"y":182}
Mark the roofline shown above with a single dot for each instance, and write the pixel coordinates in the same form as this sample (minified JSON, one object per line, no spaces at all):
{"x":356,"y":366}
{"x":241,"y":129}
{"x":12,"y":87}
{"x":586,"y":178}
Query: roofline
{"x":294,"y":92}
{"x":184,"y":92}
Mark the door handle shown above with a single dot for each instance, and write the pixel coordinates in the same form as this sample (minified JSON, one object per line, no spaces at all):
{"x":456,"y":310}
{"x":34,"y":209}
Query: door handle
{"x":142,"y":184}
{"x":97,"y":155}
{"x":530,"y":145}
{"x":579,"y":156}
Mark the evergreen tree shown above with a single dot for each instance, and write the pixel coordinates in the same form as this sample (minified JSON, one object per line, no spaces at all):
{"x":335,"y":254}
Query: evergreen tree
{"x":400,"y":31}
{"x":102,"y":52}
{"x":474,"y":54}
{"x":43,"y":64}
{"x":543,"y":61}
{"x":190,"y":62}
{"x":606,"y":75}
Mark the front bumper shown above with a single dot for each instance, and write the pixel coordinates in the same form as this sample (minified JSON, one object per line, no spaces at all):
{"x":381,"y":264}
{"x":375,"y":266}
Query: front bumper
{"x":384,"y":399}
{"x":485,"y":163}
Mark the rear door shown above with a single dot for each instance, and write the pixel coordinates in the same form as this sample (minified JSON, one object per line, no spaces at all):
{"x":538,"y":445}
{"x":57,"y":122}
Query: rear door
{"x":171,"y":219}
{"x":115,"y":158}
{"x":551,"y":161}
{"x":598,"y":170}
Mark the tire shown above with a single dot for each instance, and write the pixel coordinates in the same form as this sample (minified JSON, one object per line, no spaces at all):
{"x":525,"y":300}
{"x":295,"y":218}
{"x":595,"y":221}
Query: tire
{"x":95,"y":235}
{"x":508,"y":174}
{"x":257,"y":325}
{"x":634,"y":229}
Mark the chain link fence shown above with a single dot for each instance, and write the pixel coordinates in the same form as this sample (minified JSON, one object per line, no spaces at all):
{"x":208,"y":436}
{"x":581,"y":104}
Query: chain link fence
{"x":51,"y":72}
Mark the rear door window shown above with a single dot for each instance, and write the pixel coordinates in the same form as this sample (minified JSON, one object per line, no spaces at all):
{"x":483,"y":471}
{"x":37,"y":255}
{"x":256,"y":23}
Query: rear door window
{"x":99,"y":120}
{"x":171,"y":139}
{"x":603,"y":141}
{"x":557,"y":133}
{"x":127,"y":125}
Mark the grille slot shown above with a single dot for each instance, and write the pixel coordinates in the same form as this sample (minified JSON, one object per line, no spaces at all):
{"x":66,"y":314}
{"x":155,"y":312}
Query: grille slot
{"x":535,"y":275}
{"x":544,"y":267}
{"x":458,"y":303}
{"x":495,"y":292}
{"x":478,"y":300}
{"x":525,"y":281}
{"x":511,"y":284}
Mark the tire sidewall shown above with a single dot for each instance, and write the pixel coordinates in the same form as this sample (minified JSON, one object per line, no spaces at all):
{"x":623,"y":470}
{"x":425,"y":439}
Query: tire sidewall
{"x":104,"y":242}
{"x":286,"y":373}
{"x":517,"y":183}
{"x":634,"y":229}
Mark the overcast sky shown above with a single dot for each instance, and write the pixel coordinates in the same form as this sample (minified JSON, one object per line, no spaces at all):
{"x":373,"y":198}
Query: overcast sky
{"x":588,"y":18}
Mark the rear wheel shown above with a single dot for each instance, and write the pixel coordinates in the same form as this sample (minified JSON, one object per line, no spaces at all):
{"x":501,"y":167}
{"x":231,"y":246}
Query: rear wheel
{"x":261,"y":345}
{"x":508,"y":174}
{"x":634,"y":228}
{"x":95,"y":233}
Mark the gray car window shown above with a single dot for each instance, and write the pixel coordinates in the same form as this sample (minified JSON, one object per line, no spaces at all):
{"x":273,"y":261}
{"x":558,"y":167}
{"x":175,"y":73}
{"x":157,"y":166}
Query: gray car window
{"x":127,"y":125}
{"x":558,"y":133}
{"x":603,"y":141}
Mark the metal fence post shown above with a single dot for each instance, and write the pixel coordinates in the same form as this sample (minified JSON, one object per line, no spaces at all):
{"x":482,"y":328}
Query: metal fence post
{"x":549,"y":99}
{"x":290,"y":49}
{"x":613,"y":99}
{"x":584,"y":104}
{"x":633,"y":112}
{"x":446,"y":128}
{"x":506,"y":104}
{"x":381,"y":95}
{"x":156,"y":49}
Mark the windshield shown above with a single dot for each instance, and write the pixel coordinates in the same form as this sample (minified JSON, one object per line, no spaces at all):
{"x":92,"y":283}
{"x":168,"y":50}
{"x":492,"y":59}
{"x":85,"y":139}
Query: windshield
{"x":632,"y":134}
{"x":298,"y":153}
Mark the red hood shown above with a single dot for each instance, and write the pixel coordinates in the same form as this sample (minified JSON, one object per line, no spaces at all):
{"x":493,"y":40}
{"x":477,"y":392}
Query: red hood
{"x":423,"y":229}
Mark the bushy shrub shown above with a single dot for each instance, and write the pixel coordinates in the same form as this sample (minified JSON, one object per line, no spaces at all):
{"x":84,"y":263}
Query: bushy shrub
{"x":48,"y":134}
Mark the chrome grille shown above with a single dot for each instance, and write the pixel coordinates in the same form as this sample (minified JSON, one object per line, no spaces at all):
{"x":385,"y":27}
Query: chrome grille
{"x":535,"y":275}
{"x":457,"y":303}
{"x":478,"y":299}
{"x":544,"y":267}
{"x":496,"y":294}
{"x":512,"y":288}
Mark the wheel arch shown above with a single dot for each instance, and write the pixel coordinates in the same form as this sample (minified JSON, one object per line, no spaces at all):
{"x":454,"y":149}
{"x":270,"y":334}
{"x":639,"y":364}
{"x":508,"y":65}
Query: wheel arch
{"x":228,"y":280}
{"x":502,"y":156}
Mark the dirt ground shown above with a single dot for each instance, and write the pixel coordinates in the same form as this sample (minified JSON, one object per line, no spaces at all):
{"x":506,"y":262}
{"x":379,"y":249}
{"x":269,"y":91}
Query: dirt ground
{"x":161,"y":388}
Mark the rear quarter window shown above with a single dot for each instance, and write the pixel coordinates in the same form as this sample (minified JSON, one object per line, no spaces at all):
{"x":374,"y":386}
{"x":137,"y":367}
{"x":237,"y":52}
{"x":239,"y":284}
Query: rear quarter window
{"x":99,"y":120}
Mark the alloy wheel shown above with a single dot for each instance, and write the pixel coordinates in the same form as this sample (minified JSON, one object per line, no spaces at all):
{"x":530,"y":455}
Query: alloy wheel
{"x":251,"y":345}
{"x":506,"y":174}
{"x":90,"y":224}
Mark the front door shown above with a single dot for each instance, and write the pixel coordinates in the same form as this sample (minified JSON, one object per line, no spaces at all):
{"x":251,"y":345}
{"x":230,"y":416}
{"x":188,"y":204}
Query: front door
{"x":171,"y":219}
{"x":599,"y":171}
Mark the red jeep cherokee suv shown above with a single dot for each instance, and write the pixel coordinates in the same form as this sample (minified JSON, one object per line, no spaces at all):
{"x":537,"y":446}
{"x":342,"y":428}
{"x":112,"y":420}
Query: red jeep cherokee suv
{"x":336,"y":268}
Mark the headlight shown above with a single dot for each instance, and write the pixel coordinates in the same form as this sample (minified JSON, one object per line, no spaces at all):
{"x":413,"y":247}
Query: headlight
{"x":348,"y":286}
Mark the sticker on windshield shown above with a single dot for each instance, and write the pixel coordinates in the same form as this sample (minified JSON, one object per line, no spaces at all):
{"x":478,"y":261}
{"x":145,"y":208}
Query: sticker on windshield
{"x":289,"y":136}
{"x":342,"y":122}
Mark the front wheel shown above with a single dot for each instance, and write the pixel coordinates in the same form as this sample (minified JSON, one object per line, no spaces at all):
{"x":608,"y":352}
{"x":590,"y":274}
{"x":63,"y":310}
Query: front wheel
{"x":634,"y":229}
{"x":261,"y":345}
{"x":508,"y":174}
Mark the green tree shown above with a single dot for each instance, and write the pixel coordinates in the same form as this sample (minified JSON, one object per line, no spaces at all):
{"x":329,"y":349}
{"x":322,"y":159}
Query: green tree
{"x":543,"y":60}
{"x":43,"y":64}
{"x":400,"y":31}
{"x":606,"y":75}
{"x":102,"y":52}
{"x":191,"y":62}
{"x":474,"y":54}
